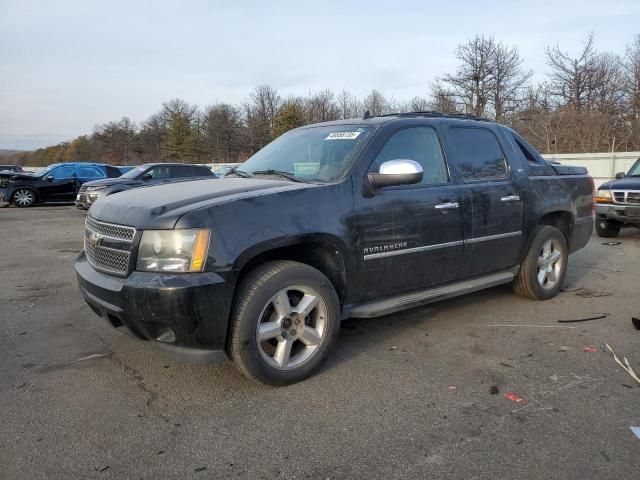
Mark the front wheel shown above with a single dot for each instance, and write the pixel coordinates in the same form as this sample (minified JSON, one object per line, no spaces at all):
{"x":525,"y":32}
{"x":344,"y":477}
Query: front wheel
{"x":543,"y":269}
{"x":607,"y":229}
{"x":24,"y":197}
{"x":285,"y":319}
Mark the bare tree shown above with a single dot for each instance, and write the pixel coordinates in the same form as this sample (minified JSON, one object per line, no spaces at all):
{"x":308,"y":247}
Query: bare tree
{"x":571,"y":79}
{"x":321,"y":107}
{"x":443,"y":99}
{"x":375,"y":103}
{"x":260,"y":112}
{"x":508,"y":80}
{"x":474,"y":79}
{"x":345,"y":104}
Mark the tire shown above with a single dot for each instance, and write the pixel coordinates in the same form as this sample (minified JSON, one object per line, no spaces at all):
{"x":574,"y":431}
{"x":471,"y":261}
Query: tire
{"x":276,"y":296}
{"x":542,"y":271}
{"x":23,"y":198}
{"x":607,"y":229}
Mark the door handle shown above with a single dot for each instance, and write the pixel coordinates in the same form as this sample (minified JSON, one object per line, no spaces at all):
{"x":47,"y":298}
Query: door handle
{"x":511,"y":198}
{"x":447,"y":205}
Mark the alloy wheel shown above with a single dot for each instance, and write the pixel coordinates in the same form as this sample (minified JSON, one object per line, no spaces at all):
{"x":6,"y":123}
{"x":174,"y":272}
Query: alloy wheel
{"x":291,"y":327}
{"x":550,"y":263}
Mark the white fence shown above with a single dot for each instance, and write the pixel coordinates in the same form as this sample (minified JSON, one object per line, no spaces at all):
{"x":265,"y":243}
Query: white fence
{"x":602,"y":166}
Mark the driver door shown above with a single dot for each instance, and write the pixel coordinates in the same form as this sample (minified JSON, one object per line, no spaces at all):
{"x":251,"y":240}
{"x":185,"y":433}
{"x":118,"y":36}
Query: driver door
{"x":410,"y":236}
{"x":59,"y":185}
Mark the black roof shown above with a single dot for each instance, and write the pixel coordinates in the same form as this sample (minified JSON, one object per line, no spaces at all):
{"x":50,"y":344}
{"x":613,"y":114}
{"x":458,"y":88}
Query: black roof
{"x":389,"y":117}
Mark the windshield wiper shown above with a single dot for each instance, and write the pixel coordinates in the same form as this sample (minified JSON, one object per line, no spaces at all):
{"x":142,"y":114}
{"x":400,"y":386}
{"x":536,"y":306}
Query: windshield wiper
{"x":280,"y":173}
{"x":240,"y":173}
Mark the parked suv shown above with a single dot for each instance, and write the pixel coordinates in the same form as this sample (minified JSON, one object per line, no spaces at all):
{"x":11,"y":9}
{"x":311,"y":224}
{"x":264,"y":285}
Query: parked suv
{"x":618,"y":203}
{"x":144,"y":175}
{"x":57,"y":183}
{"x":353,"y":218}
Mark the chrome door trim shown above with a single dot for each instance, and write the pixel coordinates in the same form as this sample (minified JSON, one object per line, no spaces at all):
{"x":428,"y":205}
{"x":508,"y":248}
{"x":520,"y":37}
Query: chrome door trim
{"x":447,"y":205}
{"x":493,"y":237}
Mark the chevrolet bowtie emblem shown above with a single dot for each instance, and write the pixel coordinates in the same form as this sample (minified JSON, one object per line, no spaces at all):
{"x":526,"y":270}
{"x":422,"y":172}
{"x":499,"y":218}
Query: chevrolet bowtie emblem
{"x":95,"y":239}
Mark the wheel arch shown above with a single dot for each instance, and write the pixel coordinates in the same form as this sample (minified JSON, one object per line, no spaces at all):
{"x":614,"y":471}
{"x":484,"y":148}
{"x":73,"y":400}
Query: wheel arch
{"x":563,"y":220}
{"x":322,"y":252}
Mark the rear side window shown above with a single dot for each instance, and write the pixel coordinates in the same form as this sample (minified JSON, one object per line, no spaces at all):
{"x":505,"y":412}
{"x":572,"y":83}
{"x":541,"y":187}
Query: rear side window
{"x":420,"y":144}
{"x":90,"y":172}
{"x":181,"y":171}
{"x":202,"y":172}
{"x":478,"y":155}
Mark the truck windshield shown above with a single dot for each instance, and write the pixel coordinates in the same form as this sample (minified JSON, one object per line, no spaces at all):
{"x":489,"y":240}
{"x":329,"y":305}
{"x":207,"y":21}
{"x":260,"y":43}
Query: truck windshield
{"x":314,"y":154}
{"x":635,"y":170}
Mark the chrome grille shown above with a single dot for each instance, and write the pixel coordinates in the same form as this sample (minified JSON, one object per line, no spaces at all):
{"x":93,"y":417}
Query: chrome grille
{"x":109,"y":230}
{"x":627,"y":197}
{"x":105,"y":258}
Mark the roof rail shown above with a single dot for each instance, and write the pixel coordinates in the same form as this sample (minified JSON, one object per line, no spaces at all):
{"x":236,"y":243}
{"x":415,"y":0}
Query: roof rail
{"x":437,"y":114}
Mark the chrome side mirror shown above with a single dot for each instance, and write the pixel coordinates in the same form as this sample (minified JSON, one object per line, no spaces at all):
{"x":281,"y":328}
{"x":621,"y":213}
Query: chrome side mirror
{"x":397,"y":172}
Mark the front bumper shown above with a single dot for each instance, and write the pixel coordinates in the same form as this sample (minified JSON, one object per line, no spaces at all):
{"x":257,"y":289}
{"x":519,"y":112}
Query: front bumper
{"x":620,"y":213}
{"x":184,"y":315}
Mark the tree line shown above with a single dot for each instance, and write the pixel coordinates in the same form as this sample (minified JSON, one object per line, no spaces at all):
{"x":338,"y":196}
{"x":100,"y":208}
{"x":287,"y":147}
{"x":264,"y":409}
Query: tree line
{"x":589,"y":102}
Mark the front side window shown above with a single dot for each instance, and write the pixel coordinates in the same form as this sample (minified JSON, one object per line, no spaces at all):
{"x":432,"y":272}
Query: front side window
{"x":421,"y":145}
{"x":315,"y":154}
{"x":63,"y":173}
{"x":478,"y":155}
{"x":160,"y":171}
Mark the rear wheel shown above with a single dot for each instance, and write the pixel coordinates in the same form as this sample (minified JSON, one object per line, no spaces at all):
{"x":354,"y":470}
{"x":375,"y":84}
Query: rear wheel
{"x":606,"y":228}
{"x":543,"y":269}
{"x":24,"y":197}
{"x":285,"y":320}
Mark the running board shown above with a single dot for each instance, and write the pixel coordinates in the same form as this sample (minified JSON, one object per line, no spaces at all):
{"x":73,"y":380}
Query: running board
{"x":396,"y":303}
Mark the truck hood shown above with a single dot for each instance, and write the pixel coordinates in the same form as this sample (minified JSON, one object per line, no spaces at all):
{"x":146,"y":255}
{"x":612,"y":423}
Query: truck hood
{"x":628,"y":183}
{"x":160,"y":206}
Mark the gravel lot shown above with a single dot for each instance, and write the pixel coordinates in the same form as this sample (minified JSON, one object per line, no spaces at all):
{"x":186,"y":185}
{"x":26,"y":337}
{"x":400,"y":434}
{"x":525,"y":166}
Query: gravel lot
{"x":410,"y":395}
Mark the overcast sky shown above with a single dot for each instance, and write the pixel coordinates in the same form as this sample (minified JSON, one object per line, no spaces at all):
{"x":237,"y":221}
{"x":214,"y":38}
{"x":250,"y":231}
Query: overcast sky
{"x":68,"y":65}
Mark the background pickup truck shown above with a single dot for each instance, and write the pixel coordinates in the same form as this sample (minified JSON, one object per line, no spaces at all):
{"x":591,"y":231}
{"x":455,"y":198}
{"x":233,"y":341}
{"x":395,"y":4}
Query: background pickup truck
{"x":354,"y":218}
{"x":618,"y":203}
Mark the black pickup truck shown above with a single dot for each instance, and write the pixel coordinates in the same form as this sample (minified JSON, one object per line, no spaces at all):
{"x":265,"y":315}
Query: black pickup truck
{"x":354,"y":218}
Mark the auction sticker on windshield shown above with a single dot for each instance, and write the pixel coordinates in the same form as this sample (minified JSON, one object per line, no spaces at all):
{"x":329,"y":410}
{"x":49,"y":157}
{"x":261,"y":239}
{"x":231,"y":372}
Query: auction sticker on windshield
{"x":343,"y":136}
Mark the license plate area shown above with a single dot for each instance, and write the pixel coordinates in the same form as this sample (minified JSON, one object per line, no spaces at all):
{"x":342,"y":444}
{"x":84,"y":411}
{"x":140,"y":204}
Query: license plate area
{"x":632,"y":211}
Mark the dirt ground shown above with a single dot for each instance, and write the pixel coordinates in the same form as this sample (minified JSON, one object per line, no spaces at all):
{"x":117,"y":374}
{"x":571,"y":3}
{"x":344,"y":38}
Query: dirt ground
{"x":419,"y":394}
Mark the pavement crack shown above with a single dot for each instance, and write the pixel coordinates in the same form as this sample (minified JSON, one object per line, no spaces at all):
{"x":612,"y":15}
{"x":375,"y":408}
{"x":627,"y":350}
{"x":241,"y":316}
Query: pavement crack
{"x":135,"y":374}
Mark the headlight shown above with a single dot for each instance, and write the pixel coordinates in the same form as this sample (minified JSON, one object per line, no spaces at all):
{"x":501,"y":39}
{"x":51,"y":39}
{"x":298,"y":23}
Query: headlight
{"x":97,"y":187}
{"x":173,"y":250}
{"x":604,"y":196}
